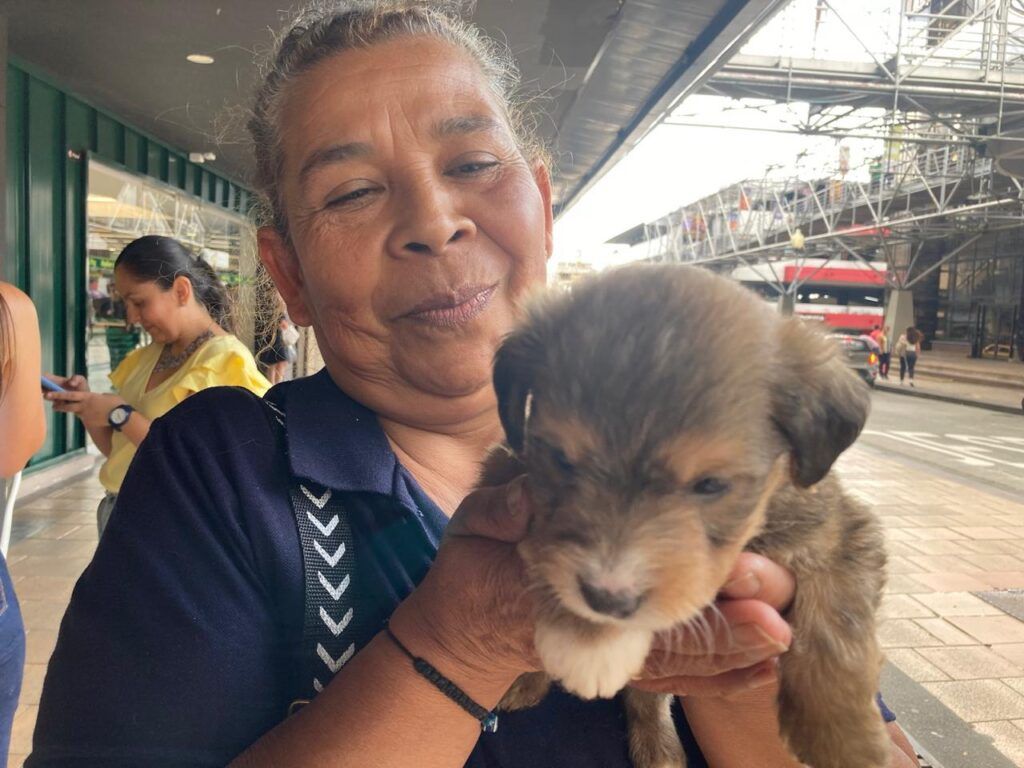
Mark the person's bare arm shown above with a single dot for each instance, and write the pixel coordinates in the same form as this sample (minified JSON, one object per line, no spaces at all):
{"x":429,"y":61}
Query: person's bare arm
{"x":743,"y":730}
{"x":470,"y":618}
{"x":22,"y":419}
{"x":378,"y":711}
{"x":94,"y":409}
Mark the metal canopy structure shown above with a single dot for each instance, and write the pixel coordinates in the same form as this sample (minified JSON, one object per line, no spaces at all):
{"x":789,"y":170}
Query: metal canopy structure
{"x":937,"y":91}
{"x":602,"y":71}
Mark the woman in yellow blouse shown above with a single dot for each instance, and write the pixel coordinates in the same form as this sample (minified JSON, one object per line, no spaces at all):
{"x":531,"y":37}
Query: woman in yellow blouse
{"x":180,"y":302}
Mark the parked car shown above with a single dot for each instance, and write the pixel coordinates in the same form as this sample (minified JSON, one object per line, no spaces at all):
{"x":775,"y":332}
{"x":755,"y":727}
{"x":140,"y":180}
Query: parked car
{"x":859,"y":356}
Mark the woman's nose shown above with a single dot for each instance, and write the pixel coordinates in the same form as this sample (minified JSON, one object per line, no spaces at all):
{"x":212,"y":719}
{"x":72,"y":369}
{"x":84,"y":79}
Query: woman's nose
{"x":131,"y":314}
{"x":429,"y":222}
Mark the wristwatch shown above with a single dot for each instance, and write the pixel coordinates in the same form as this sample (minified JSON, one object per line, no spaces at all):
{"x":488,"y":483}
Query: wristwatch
{"x":119,"y":416}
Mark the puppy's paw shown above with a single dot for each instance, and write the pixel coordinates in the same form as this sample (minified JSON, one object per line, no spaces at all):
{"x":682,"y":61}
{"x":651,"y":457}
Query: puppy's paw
{"x":595,"y":667}
{"x":527,"y":691}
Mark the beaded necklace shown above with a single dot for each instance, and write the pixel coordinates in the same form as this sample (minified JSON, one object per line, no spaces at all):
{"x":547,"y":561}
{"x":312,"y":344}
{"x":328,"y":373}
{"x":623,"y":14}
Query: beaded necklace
{"x":168,"y":361}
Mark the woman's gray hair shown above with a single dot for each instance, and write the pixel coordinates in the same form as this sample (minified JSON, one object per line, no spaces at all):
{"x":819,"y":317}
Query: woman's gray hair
{"x":327,"y":28}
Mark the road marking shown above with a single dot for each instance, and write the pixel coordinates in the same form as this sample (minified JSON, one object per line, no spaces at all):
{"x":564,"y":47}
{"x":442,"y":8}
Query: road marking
{"x":973,"y":450}
{"x":903,"y":437}
{"x":988,"y":442}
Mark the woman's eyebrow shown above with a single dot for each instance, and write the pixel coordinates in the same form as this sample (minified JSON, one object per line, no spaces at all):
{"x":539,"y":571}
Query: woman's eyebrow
{"x":336,"y":153}
{"x":465,"y":124}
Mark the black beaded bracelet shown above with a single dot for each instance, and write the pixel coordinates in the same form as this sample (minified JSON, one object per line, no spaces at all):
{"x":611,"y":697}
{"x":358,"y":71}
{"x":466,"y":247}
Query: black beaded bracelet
{"x":488,"y":718}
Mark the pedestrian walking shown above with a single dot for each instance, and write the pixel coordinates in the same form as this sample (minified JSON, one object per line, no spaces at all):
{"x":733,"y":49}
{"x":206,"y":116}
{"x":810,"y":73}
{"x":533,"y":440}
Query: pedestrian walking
{"x":179,"y":300}
{"x":908,"y":347}
{"x":884,"y":353}
{"x":277,"y":357}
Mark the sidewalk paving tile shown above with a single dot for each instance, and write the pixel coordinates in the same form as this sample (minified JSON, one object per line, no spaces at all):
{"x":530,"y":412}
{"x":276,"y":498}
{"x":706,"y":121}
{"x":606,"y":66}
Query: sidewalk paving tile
{"x":903,"y":633}
{"x":944,"y":633}
{"x":1005,"y":546}
{"x":944,"y":564}
{"x":991,"y":629}
{"x":1011,"y":651}
{"x":957,"y":604}
{"x":995,"y":562}
{"x":914,"y":665}
{"x":940,"y":547}
{"x":971,"y":662}
{"x":1005,"y":580}
{"x":901,"y":583}
{"x":981,"y":532}
{"x":1007,"y":738}
{"x":950,"y":582}
{"x":978,"y":700}
{"x":903,"y":607}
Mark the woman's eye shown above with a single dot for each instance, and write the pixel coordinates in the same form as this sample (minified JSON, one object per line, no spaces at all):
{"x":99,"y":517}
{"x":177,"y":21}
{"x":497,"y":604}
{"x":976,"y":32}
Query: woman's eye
{"x":350,"y":197}
{"x":710,"y":486}
{"x":472,"y":168}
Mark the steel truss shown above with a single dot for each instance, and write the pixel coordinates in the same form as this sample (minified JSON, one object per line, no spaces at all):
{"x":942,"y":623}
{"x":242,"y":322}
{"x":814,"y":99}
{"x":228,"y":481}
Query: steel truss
{"x":943,"y":96}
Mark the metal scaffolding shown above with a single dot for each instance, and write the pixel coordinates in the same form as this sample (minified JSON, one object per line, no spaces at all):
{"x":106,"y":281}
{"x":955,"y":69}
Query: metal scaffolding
{"x":934,"y":87}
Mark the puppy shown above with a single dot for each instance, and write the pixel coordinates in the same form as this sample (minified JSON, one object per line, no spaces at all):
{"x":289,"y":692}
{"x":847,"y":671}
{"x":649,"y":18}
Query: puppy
{"x":667,"y":419}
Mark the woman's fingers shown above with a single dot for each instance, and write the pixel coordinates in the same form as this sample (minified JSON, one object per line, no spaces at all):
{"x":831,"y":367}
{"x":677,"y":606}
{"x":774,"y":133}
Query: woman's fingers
{"x":501,"y":513}
{"x":732,"y":626}
{"x":725,"y":684}
{"x":757,"y":578}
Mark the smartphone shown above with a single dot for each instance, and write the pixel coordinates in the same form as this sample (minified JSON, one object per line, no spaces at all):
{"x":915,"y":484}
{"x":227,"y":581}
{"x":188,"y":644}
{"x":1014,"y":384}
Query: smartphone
{"x":52,"y":386}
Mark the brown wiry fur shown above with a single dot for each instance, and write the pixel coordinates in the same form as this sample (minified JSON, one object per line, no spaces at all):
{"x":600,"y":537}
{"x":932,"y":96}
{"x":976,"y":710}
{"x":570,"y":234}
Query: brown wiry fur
{"x":618,"y":401}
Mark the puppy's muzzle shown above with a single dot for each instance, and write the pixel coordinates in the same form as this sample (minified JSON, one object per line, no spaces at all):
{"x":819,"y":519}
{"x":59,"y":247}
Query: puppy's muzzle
{"x":620,"y":604}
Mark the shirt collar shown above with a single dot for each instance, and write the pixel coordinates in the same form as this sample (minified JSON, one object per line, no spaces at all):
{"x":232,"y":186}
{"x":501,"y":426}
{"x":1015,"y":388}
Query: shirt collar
{"x":338,"y":443}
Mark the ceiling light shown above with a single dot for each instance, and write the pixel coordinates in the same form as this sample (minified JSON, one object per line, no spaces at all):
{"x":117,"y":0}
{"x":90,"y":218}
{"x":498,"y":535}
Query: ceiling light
{"x":200,"y":58}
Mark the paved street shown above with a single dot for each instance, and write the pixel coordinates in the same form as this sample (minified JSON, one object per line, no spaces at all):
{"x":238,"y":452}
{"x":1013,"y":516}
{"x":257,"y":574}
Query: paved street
{"x":948,"y":482}
{"x":968,"y":444}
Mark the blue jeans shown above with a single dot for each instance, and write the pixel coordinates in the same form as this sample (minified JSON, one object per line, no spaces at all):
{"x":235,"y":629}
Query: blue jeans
{"x":12,"y":658}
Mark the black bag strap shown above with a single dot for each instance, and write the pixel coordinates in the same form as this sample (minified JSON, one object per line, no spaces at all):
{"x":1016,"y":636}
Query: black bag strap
{"x":328,"y":561}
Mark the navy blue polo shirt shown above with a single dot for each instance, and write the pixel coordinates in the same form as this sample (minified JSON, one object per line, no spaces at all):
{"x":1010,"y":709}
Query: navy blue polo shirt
{"x":181,"y":645}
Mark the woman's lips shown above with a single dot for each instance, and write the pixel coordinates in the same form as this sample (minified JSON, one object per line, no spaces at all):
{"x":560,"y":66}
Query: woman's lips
{"x":453,"y":309}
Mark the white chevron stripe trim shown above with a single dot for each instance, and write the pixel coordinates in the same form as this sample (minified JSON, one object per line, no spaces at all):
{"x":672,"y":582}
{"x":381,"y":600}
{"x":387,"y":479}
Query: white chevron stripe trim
{"x":329,"y":559}
{"x":336,"y":627}
{"x":318,"y":686}
{"x":318,"y":502}
{"x":326,"y":530}
{"x":335,"y":592}
{"x":335,"y":664}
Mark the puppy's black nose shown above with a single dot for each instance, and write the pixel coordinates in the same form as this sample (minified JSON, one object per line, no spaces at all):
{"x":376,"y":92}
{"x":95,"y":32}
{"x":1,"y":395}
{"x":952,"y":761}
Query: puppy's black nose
{"x":621,"y":605}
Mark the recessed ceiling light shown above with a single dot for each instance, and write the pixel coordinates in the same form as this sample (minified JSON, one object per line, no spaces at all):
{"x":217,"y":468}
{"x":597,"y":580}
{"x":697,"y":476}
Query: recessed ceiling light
{"x":200,"y":58}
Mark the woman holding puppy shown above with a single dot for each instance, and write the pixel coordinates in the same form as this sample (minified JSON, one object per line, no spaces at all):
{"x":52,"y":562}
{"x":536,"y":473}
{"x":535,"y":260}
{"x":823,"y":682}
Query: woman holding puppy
{"x":409,"y":214}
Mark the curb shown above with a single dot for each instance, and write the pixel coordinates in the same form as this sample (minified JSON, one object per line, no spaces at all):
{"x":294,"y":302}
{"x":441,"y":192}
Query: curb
{"x":914,"y":392}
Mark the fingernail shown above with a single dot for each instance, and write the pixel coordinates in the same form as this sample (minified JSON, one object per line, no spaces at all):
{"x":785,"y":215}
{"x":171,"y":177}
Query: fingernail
{"x":747,"y":585}
{"x":753,"y":636}
{"x":514,"y":496}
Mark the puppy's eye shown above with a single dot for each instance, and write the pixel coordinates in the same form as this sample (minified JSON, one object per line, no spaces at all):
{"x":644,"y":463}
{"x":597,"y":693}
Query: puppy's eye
{"x":710,"y":486}
{"x":561,"y":461}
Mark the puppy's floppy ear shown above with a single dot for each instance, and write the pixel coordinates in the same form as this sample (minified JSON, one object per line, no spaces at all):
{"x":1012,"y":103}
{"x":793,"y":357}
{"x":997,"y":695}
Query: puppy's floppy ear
{"x":515,"y":366}
{"x":820,"y":405}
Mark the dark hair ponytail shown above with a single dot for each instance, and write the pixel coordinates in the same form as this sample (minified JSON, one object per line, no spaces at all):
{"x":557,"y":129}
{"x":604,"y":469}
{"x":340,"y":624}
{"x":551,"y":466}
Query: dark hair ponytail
{"x":162,"y":260}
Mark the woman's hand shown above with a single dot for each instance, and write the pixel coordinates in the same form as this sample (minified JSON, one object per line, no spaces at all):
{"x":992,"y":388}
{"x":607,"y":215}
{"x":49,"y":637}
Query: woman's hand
{"x":733,"y":648}
{"x":471,"y":616}
{"x":91,"y":407}
{"x":76,"y":383}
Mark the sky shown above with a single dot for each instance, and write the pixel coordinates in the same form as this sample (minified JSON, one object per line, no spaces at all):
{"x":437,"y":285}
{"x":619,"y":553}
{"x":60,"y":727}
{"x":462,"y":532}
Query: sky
{"x":673,"y":165}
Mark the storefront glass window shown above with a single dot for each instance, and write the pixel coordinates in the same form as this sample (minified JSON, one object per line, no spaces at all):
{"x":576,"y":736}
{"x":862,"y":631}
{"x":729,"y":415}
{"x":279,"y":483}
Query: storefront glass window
{"x":122,"y":207}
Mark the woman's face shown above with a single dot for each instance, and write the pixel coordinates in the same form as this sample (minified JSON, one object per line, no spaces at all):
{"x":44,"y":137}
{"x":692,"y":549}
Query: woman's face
{"x":416,"y":224}
{"x":157,"y":310}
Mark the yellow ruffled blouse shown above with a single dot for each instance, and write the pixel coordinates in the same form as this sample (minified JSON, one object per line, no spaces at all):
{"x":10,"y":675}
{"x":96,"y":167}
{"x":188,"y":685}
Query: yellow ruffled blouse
{"x":223,"y":361}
